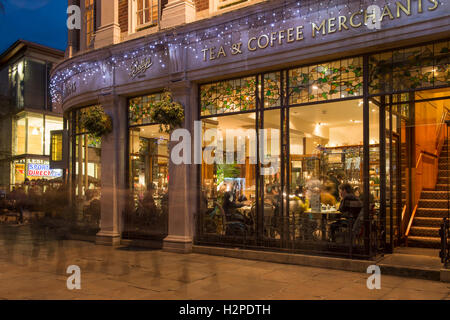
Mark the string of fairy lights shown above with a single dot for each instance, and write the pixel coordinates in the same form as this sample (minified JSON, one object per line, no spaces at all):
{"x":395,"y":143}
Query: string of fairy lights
{"x":291,"y":13}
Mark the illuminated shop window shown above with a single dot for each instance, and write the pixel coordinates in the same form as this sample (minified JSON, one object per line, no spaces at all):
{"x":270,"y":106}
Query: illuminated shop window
{"x":35,"y":132}
{"x":57,"y":152}
{"x":51,"y":124}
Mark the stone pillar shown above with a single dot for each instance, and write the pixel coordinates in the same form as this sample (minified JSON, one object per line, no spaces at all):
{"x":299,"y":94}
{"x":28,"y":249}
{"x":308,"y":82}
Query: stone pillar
{"x":177,"y":12}
{"x":182,"y":180}
{"x":108,"y":31}
{"x":113,"y":169}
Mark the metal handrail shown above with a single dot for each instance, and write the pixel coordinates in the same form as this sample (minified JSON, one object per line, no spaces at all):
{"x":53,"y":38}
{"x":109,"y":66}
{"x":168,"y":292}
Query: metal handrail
{"x":440,"y":126}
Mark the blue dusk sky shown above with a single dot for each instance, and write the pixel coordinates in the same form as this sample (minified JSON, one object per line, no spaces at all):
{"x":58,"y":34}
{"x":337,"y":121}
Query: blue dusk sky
{"x":40,"y":21}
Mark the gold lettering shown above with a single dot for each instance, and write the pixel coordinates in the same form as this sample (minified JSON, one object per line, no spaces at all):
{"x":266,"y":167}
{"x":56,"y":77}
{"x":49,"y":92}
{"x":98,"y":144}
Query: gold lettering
{"x":331,"y":25}
{"x":281,"y":36}
{"x":435,"y":5}
{"x":386,"y":12}
{"x":342,"y":20}
{"x":272,"y":38}
{"x":351,"y":20}
{"x":267,"y":41}
{"x":250,"y":48}
{"x":290,"y":35}
{"x":420,"y":6}
{"x":221,"y":52}
{"x":299,"y":33}
{"x":401,"y":7}
{"x":315,"y":28}
{"x":204,"y":53}
{"x":212,"y":53}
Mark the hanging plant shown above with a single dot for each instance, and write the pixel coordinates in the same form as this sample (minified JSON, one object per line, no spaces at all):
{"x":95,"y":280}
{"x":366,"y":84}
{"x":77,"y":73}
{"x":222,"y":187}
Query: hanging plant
{"x":167,"y":113}
{"x":96,"y":122}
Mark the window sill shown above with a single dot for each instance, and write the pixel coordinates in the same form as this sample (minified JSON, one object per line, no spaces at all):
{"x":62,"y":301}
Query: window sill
{"x":147,"y":26}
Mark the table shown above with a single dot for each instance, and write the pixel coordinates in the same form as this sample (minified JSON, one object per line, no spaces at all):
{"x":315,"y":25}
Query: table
{"x":323,"y":216}
{"x":245,"y":210}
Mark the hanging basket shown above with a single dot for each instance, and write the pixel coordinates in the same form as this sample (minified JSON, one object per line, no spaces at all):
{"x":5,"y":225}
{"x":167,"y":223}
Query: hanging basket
{"x":167,"y":113}
{"x":96,"y":122}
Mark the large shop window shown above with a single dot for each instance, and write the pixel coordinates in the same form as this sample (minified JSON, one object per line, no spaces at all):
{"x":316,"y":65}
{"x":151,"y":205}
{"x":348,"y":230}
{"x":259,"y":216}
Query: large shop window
{"x":85,"y":170}
{"x":147,"y":213}
{"x":286,"y":176}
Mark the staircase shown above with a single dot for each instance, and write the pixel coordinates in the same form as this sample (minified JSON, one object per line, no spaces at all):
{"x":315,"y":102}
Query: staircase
{"x":432,"y":208}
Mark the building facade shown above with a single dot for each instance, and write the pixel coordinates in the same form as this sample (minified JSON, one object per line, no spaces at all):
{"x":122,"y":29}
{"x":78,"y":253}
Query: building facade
{"x":346,"y":92}
{"x":27,"y":113}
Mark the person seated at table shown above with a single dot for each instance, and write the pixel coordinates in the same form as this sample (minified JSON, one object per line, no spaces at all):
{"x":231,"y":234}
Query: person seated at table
{"x":326,"y":196}
{"x":229,"y":206}
{"x":350,"y":207}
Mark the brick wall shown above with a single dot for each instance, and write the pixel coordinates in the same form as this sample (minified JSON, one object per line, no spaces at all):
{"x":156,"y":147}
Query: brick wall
{"x":123,"y":15}
{"x":201,"y":4}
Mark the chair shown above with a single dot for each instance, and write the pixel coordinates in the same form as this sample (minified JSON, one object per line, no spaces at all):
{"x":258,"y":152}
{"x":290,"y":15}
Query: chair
{"x":351,"y":227}
{"x":229,"y":227}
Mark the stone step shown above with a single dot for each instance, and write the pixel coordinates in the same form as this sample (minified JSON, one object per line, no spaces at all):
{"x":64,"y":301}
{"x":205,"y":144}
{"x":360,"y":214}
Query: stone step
{"x":427,"y":222}
{"x":436,"y":195}
{"x":424,"y":242}
{"x":432,"y":203}
{"x":431,"y":213}
{"x":424,"y":231}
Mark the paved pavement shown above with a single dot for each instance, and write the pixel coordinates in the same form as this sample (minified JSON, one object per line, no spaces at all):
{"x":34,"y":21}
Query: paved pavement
{"x":34,"y":267}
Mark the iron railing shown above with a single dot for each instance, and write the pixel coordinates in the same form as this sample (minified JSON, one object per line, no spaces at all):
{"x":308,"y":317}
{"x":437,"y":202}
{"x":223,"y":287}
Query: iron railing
{"x":319,"y":233}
